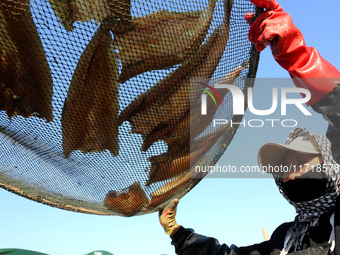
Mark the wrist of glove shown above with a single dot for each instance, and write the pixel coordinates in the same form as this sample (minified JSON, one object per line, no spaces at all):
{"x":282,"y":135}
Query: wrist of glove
{"x":275,"y":27}
{"x":167,"y":218}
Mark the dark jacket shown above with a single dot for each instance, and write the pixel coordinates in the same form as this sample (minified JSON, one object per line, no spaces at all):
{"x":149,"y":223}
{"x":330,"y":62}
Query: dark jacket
{"x":315,"y":242}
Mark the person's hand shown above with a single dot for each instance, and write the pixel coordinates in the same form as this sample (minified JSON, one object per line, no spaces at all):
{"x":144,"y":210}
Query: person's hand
{"x":167,"y":218}
{"x":275,"y":27}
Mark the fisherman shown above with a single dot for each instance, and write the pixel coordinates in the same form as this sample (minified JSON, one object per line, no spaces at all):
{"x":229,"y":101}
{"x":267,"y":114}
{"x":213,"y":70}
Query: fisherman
{"x":312,"y":185}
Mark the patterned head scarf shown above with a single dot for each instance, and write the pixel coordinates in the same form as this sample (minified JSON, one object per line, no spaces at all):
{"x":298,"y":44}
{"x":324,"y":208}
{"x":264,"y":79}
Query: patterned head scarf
{"x":309,"y":212}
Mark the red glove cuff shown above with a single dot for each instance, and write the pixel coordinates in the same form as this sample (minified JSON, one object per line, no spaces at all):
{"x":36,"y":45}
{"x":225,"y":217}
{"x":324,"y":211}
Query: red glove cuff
{"x":312,"y":72}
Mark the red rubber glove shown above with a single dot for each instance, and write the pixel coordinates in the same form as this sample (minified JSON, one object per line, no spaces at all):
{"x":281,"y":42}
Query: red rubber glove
{"x":275,"y":27}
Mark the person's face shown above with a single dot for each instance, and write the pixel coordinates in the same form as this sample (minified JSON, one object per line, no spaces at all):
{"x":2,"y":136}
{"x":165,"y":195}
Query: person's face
{"x":299,"y":164}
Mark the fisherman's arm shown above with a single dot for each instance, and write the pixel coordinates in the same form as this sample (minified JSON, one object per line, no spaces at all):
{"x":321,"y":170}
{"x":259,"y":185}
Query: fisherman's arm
{"x":308,"y":69}
{"x":305,"y":65}
{"x":187,"y":242}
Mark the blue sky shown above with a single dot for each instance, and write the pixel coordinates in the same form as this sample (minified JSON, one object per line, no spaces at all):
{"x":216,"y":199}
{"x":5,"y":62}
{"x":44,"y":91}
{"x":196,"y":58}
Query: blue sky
{"x":234,"y":210}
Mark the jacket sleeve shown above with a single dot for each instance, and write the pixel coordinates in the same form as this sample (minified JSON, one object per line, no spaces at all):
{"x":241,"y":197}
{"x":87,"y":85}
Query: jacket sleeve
{"x":329,"y":106}
{"x":187,"y":242}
